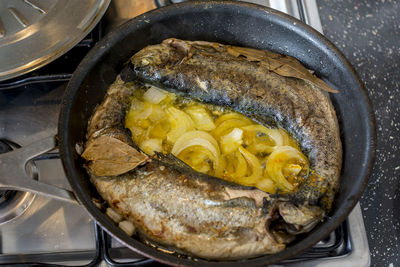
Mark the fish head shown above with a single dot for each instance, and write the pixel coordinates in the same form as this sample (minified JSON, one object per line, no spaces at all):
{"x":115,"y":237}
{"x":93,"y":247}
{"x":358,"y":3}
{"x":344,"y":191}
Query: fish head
{"x":299,"y":218}
{"x":144,"y":63}
{"x":153,"y":62}
{"x":149,"y":56}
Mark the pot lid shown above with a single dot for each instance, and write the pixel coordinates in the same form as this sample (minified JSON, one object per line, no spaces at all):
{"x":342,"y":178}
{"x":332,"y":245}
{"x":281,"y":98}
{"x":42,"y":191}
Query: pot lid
{"x":34,"y":33}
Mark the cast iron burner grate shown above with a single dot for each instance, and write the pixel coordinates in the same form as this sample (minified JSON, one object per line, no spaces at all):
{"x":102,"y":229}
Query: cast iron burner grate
{"x":335,"y":245}
{"x":332,"y":246}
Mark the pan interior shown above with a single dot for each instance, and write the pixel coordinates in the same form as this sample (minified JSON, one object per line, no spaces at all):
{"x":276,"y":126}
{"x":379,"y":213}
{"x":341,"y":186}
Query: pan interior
{"x":229,"y":23}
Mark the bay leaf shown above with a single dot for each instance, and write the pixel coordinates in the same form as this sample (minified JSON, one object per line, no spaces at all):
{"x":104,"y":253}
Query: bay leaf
{"x":250,"y":53}
{"x":280,"y":64}
{"x":109,"y":156}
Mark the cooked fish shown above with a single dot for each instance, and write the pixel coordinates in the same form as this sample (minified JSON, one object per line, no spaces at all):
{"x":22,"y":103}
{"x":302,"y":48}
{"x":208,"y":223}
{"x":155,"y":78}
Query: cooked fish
{"x":172,"y":205}
{"x":210,"y":72}
{"x":108,"y":118}
{"x":200,"y":215}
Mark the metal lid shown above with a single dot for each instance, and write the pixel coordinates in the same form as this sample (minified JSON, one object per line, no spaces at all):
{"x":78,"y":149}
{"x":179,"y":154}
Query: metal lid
{"x":34,"y":33}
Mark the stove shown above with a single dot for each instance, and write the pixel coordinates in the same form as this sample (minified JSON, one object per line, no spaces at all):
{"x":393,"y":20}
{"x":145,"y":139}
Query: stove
{"x":35,"y":229}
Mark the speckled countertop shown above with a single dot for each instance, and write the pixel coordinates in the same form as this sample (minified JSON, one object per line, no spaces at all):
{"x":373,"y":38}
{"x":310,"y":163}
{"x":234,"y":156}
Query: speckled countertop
{"x":368,"y":33}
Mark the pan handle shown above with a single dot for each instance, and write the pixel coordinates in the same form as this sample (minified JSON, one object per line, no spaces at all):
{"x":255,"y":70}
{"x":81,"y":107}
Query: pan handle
{"x":13,"y":175}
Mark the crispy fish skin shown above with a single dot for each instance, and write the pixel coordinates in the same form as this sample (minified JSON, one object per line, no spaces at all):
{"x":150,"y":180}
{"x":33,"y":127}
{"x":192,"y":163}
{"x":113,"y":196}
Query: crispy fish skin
{"x":207,"y":71}
{"x":195,"y":215}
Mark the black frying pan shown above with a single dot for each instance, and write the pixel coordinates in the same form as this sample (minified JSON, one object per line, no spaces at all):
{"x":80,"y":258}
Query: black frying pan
{"x":233,"y":23}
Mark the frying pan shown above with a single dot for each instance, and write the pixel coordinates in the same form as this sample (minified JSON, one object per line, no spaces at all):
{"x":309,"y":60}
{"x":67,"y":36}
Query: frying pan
{"x":234,"y":23}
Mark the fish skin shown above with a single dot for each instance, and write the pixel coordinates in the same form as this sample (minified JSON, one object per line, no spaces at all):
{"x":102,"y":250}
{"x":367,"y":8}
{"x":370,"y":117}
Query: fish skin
{"x":207,"y":72}
{"x":108,"y":118}
{"x":173,"y":205}
{"x":180,"y":66}
{"x":192,"y":213}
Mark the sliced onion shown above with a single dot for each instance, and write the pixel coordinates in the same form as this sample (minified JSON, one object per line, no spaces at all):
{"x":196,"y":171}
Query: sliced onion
{"x":157,"y":114}
{"x":274,"y":134}
{"x":204,"y":168}
{"x":221,"y":170}
{"x":257,"y":148}
{"x":285,"y":137}
{"x":292,"y":169}
{"x":198,"y":158}
{"x":227,"y":126}
{"x":232,"y":115}
{"x":267,"y":185}
{"x":196,"y":155}
{"x":287,"y":140}
{"x":198,"y":138}
{"x":141,"y":110}
{"x":255,"y":165}
{"x":180,"y":123}
{"x":159,"y":129}
{"x":241,"y":166}
{"x":138,"y":133}
{"x":278,"y":160}
{"x":127,"y":227}
{"x":154,"y":95}
{"x":231,"y":141}
{"x":149,"y":146}
{"x":115,"y":216}
{"x":201,"y":118}
{"x":137,"y":116}
{"x":184,"y":133}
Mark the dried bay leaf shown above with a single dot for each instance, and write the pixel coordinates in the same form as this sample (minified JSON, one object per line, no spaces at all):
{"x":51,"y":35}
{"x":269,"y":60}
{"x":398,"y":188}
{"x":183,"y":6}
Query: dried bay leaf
{"x":250,"y":53}
{"x":280,"y":64}
{"x":109,"y":156}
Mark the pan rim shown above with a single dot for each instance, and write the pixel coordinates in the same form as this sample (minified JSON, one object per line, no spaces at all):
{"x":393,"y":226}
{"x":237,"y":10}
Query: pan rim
{"x":303,"y":30}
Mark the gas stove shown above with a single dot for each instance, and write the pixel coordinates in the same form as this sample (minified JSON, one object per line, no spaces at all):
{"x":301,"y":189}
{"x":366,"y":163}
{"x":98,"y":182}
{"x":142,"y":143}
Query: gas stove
{"x":43,"y":230}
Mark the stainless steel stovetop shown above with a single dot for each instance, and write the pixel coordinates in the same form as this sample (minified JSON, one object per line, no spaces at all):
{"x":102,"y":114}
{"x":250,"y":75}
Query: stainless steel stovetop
{"x":38,"y":229}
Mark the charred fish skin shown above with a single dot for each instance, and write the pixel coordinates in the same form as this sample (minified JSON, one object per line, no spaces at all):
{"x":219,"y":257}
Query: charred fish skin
{"x":215,"y":76}
{"x":196,"y":216}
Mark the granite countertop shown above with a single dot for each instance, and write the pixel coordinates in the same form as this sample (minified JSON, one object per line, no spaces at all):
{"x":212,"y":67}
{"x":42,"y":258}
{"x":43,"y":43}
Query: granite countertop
{"x":368,"y":33}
